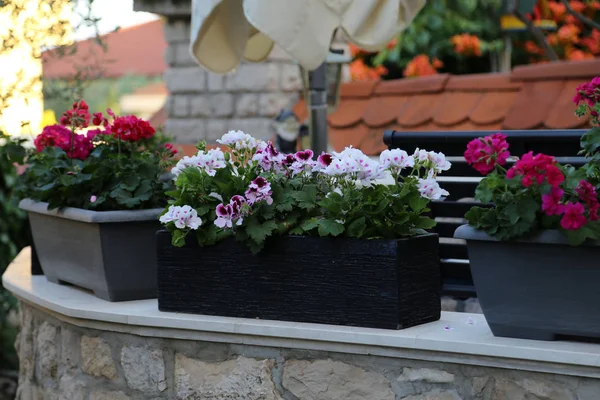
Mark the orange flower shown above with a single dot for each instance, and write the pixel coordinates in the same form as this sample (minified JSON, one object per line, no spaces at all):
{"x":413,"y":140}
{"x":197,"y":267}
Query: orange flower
{"x":359,"y":71}
{"x":558,"y":10}
{"x":421,"y":66}
{"x":577,"y":5}
{"x":467,"y":45}
{"x":574,"y":54}
{"x":532,"y":48}
{"x":569,"y":33}
{"x":592,"y":42}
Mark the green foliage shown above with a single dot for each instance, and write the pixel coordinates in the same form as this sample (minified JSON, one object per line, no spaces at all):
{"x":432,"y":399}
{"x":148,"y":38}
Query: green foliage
{"x":432,"y":29}
{"x":303,"y":203}
{"x":121,"y":175}
{"x":13,"y":236}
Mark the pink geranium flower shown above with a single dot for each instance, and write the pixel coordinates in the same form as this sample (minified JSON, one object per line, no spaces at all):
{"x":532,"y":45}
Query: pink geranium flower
{"x":551,"y":202}
{"x":573,"y":217}
{"x":485,"y":153}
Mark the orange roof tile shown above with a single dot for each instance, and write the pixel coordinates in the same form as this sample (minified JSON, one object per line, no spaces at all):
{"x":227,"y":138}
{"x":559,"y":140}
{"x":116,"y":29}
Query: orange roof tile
{"x":530,"y":97}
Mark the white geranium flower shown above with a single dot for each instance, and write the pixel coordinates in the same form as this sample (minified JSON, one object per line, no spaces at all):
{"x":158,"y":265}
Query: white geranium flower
{"x":182,"y":216}
{"x":396,"y":158}
{"x":430,"y":189}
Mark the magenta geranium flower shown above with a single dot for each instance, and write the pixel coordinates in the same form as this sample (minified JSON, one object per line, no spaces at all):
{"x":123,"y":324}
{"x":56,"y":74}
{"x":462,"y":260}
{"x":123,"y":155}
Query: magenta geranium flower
{"x":485,"y":153}
{"x":573,"y":217}
{"x":551,"y":202}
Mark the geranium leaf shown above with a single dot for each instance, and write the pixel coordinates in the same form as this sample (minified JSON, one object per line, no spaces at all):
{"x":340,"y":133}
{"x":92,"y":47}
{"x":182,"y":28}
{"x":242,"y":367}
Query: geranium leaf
{"x":330,"y":227}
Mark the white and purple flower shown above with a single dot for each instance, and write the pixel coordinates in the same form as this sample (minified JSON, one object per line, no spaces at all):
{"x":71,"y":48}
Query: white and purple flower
{"x":396,"y":158}
{"x":430,"y":189}
{"x":209,"y":161}
{"x":259,"y":190}
{"x":230,"y":214}
{"x":239,"y":140}
{"x":182,"y":216}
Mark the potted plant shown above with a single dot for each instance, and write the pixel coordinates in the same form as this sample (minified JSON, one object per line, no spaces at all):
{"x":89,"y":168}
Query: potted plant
{"x":93,"y":199}
{"x":534,"y":254}
{"x":342,"y":240}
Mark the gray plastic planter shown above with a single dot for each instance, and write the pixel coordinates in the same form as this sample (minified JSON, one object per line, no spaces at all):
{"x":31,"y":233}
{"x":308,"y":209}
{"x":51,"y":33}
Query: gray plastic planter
{"x":540,"y":288}
{"x":111,"y":253}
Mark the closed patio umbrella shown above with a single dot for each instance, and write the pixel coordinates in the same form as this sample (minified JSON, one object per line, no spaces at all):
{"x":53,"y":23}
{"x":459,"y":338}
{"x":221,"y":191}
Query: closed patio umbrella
{"x":226,"y":31}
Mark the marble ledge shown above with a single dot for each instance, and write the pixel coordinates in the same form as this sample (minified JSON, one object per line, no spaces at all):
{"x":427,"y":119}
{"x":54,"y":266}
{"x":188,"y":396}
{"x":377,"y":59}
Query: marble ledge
{"x":457,"y":337}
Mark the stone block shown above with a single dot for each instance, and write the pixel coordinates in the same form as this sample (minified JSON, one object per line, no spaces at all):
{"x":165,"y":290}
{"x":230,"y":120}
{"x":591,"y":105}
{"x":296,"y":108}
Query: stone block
{"x":246,"y":105}
{"x":242,"y":378}
{"x":425,"y":375}
{"x":435,"y":395}
{"x":144,"y":369}
{"x":546,"y":390}
{"x":25,"y":346}
{"x":221,"y":104}
{"x":216,"y":82}
{"x":200,"y":106}
{"x":187,"y":130}
{"x":70,"y":388}
{"x":258,"y":77}
{"x":260,"y":128}
{"x":170,"y":55}
{"x":183,"y":57}
{"x":180,"y":106}
{"x":185,"y":79}
{"x":96,"y":358}
{"x":176,"y":31}
{"x":479,"y":385}
{"x":69,"y":356}
{"x":449,"y":304}
{"x":116,"y":395}
{"x":46,"y":350}
{"x":334,"y":380}
{"x":270,"y":104}
{"x":290,"y":78}
{"x":215,"y":128}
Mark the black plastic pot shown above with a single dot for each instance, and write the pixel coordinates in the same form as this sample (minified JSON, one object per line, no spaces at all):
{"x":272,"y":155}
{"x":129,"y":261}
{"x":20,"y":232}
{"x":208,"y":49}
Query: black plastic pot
{"x":111,"y":253}
{"x":540,"y":288}
{"x":390,"y":284}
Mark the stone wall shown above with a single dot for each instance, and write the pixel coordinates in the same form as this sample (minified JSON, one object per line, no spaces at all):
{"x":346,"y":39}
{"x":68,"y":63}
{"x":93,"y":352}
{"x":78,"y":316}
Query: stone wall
{"x":62,"y":361}
{"x":203,"y":105}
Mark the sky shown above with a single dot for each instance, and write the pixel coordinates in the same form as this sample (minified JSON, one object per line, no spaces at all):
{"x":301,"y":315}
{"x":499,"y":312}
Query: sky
{"x":113,"y":13}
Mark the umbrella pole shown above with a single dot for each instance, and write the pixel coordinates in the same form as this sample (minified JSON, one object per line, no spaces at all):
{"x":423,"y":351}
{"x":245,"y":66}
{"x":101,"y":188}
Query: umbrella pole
{"x":317,"y":91}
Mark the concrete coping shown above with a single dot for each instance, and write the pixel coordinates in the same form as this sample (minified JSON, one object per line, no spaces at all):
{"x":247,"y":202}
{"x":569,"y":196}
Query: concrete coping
{"x":98,"y":217}
{"x":457,"y":337}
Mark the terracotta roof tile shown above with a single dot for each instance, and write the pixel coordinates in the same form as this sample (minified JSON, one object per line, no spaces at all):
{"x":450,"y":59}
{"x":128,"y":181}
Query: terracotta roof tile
{"x":455,"y":107}
{"x":357,"y":89}
{"x":454,"y":103}
{"x":533,"y":104}
{"x":428,"y":84}
{"x":383,"y":110}
{"x":351,"y":136}
{"x":562,"y":114}
{"x":418,"y":110}
{"x":558,"y":70}
{"x":348,"y":113}
{"x":492,"y":107}
{"x":482,"y":83}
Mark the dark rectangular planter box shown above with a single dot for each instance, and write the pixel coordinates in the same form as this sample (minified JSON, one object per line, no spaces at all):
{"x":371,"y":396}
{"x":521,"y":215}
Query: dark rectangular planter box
{"x":540,"y":288}
{"x":111,"y":253}
{"x":390,"y":284}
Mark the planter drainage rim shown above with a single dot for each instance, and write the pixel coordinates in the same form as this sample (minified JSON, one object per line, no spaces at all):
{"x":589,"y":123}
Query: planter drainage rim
{"x":81,"y":215}
{"x":545,"y":237}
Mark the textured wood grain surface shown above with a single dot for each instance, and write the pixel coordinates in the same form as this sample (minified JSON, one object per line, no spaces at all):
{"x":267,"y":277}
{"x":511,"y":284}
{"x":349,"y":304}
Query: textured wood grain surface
{"x":370,"y":283}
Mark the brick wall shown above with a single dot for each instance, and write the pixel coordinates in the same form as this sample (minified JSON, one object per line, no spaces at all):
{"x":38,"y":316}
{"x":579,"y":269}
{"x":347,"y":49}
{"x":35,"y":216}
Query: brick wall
{"x":203,"y":105}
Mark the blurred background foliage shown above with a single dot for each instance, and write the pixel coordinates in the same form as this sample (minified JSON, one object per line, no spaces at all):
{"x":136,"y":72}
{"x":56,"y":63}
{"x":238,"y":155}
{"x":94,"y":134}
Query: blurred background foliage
{"x":465,"y":37}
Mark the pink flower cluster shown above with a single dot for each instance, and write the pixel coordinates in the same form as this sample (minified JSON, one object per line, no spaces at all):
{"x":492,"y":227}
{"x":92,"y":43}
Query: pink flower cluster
{"x":573,"y":212}
{"x":589,"y":93}
{"x":485,"y":153}
{"x":536,"y":169}
{"x":75,"y":145}
{"x":259,"y":190}
{"x":77,"y":117}
{"x":131,"y":128}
